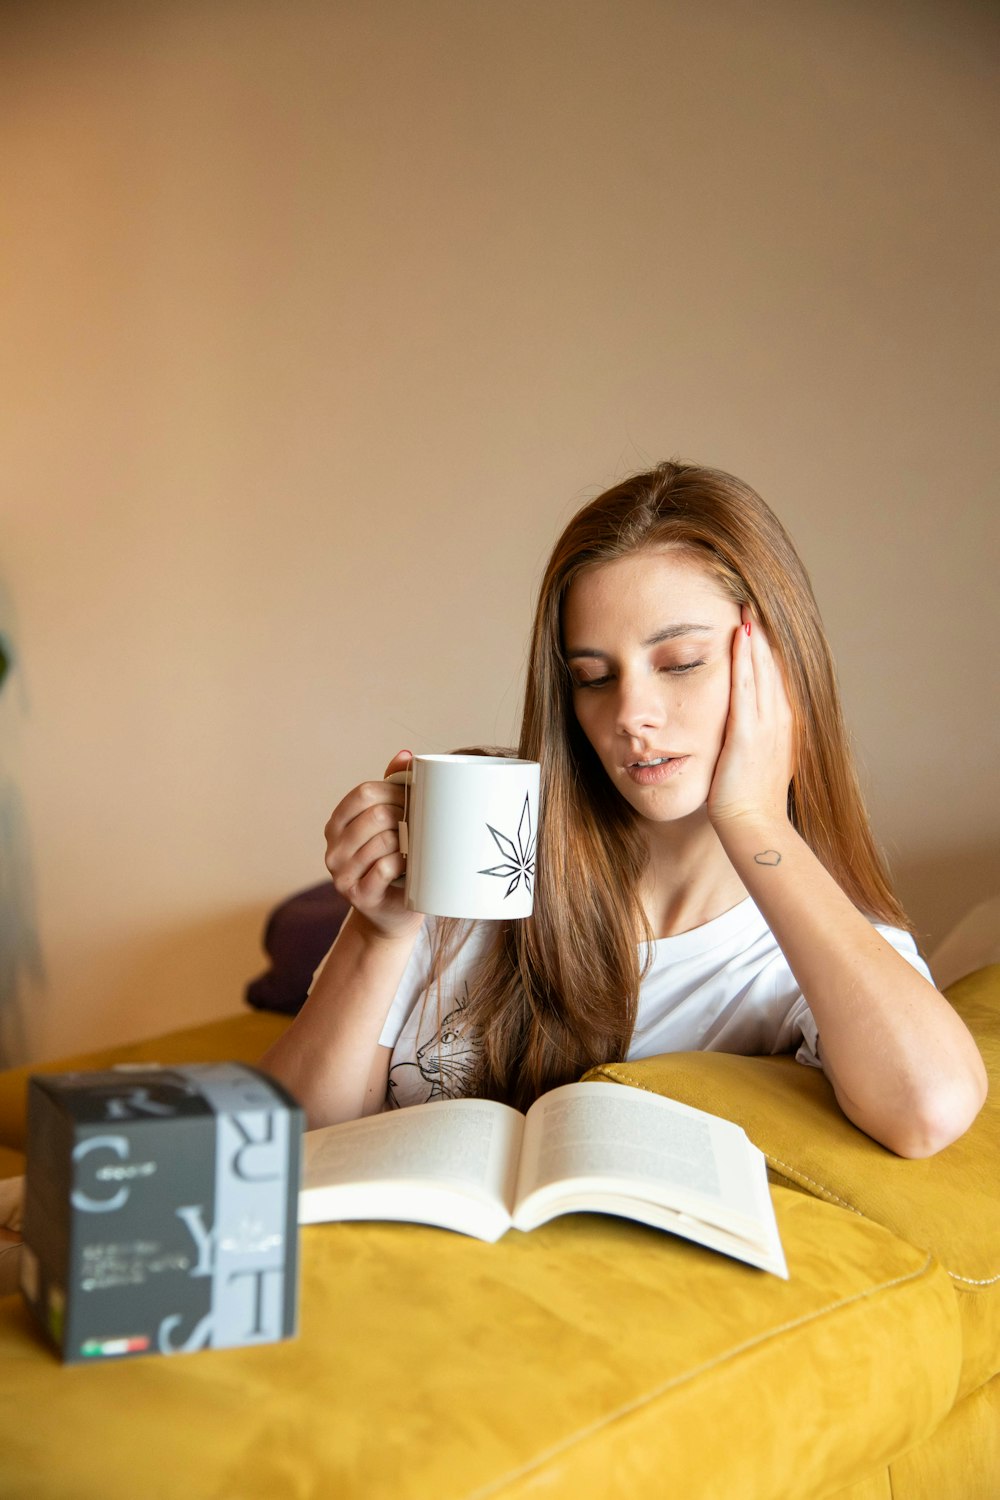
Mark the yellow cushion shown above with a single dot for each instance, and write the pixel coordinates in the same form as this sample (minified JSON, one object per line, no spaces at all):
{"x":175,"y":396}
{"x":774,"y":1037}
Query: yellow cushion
{"x":239,"y":1038}
{"x":592,"y":1358}
{"x":948,"y":1204}
{"x":941,"y":1469}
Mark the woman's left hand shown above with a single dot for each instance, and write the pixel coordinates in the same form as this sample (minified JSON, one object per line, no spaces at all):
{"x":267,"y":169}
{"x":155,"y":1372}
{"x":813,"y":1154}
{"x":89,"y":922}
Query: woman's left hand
{"x":757,"y":758}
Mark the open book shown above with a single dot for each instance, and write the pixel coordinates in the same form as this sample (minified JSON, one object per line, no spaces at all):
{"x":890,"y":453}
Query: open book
{"x":481,"y":1168}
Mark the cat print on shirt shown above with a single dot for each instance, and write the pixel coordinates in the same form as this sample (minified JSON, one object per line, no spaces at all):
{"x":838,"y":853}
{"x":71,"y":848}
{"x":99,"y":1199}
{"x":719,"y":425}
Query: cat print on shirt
{"x":445,"y":1063}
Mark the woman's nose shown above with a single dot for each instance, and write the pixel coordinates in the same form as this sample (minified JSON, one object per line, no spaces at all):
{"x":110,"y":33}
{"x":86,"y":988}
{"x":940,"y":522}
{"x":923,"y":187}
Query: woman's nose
{"x":640,"y":706}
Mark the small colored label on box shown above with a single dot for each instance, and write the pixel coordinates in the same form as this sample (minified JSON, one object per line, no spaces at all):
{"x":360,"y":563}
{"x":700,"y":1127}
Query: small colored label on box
{"x":100,"y":1347}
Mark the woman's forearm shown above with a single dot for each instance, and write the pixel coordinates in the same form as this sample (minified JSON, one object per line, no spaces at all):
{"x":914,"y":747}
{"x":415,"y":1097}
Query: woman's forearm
{"x":330,"y":1057}
{"x":902,"y":1064}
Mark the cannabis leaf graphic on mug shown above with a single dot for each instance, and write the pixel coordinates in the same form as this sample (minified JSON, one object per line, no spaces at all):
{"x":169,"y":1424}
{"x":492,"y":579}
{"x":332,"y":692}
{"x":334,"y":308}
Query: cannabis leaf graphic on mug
{"x":519,"y":858}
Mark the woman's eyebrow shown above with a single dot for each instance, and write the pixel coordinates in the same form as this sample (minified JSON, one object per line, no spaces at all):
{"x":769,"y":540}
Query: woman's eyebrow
{"x":668,"y":633}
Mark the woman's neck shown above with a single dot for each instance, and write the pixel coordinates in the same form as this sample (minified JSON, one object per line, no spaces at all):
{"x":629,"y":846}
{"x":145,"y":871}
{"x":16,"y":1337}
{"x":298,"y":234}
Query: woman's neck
{"x":689,"y":880}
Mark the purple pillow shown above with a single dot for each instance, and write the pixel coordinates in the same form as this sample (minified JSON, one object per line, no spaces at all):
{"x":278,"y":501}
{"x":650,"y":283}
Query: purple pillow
{"x":296,"y":937}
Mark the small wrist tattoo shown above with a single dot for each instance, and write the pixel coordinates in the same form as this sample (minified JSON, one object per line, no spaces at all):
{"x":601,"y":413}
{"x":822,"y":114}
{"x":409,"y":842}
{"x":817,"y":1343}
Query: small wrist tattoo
{"x":769,"y":857}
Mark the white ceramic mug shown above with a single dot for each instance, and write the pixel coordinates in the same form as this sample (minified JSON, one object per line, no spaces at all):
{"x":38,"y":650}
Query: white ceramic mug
{"x":469,"y":832}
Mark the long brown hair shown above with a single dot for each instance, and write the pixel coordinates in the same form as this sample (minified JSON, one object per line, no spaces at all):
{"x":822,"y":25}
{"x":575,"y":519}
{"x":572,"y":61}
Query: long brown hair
{"x":557,"y":993}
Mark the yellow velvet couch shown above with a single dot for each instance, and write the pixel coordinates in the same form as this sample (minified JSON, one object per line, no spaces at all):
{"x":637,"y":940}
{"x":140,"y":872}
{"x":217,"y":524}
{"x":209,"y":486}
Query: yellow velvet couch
{"x":590,"y":1358}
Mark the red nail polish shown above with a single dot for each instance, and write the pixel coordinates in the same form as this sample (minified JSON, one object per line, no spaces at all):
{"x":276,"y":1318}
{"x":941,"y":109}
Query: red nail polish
{"x":747,"y":627}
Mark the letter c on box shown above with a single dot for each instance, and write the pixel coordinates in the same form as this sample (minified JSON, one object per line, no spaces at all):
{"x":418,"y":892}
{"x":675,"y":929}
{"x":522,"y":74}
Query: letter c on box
{"x":83,"y":1201}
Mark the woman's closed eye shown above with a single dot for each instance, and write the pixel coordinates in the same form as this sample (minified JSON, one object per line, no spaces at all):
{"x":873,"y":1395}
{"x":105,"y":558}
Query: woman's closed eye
{"x":675,"y":669}
{"x":679,"y":667}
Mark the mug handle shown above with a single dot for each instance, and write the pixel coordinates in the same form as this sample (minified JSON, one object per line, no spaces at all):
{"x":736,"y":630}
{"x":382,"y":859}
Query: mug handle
{"x":403,"y":778}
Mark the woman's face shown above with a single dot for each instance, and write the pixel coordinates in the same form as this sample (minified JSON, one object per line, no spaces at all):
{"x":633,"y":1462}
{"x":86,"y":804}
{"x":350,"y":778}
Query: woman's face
{"x":648,"y":641}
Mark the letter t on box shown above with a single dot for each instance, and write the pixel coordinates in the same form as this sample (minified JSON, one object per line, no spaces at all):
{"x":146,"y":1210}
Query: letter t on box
{"x":161,"y":1209}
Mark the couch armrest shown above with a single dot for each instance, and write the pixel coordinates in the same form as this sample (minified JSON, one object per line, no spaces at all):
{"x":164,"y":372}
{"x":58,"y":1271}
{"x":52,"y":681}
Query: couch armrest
{"x":948,"y":1204}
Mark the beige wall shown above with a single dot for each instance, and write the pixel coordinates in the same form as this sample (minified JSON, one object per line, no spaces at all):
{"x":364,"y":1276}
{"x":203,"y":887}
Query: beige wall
{"x":322,"y":320}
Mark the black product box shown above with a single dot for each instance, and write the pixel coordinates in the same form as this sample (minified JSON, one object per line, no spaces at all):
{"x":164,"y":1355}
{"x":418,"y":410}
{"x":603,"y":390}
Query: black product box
{"x":161,"y":1209}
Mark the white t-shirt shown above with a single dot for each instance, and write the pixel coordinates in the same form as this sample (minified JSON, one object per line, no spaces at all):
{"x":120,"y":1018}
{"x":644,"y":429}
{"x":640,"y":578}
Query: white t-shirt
{"x":722,"y":987}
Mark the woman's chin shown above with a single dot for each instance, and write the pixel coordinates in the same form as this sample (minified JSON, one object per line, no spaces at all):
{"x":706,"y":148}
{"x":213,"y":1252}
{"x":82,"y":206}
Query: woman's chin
{"x":663,"y":811}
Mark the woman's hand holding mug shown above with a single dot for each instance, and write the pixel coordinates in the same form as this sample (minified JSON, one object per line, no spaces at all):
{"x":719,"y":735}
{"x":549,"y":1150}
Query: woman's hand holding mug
{"x":363,"y":853}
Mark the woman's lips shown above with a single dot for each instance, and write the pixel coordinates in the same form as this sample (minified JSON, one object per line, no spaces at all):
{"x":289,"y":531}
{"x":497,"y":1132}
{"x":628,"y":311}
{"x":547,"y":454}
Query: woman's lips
{"x":647,"y":775}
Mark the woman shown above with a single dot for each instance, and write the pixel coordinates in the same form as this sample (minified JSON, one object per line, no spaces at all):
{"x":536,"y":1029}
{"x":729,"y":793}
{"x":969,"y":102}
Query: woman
{"x":706,"y":876}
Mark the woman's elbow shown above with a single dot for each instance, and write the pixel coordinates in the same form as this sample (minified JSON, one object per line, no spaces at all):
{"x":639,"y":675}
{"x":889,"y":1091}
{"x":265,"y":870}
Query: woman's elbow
{"x":941,"y":1116}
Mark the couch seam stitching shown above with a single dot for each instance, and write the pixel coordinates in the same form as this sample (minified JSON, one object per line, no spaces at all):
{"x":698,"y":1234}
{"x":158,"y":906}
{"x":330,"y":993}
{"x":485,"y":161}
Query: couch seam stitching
{"x":798,"y":1176}
{"x":675,"y":1382}
{"x":831,"y":1197}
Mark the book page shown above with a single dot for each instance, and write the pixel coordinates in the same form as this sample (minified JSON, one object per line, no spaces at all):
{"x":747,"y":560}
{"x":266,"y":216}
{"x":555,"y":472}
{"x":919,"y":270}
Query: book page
{"x":383,"y":1162}
{"x":623,"y":1136}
